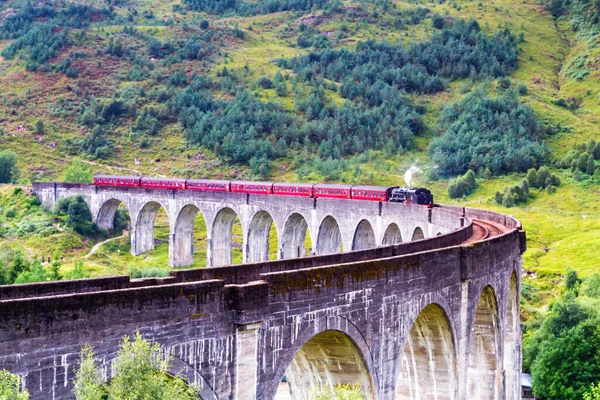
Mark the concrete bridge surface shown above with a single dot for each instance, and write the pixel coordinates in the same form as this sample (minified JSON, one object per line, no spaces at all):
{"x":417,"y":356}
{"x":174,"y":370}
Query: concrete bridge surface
{"x":425,"y":306}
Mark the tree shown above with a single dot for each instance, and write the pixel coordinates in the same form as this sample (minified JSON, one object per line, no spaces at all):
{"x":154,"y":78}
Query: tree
{"x":54,"y":273}
{"x":140,"y":371}
{"x":79,"y":172}
{"x":87,"y":384}
{"x":17,"y":267}
{"x":463,"y":185}
{"x":8,"y":166}
{"x":572,"y":280}
{"x":593,"y":393}
{"x":39,"y":127}
{"x":35,"y":273}
{"x":592,"y":286}
{"x":77,"y":272}
{"x":567,"y":365}
{"x":10,"y":387}
{"x":78,"y":214}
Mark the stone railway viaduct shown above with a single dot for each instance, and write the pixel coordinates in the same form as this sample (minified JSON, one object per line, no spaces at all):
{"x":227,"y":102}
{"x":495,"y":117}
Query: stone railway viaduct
{"x":425,"y":306}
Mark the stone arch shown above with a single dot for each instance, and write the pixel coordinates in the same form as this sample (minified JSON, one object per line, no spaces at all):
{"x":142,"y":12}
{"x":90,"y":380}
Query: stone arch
{"x":221,"y":237}
{"x":322,"y":358}
{"x":143,"y":239}
{"x":511,"y":341}
{"x":257,"y":242}
{"x":483,"y":377}
{"x":418,"y":234}
{"x":105,"y":219}
{"x":191,"y":376}
{"x":329,"y":238}
{"x":392,"y":235}
{"x":182,"y":242}
{"x":364,"y":236}
{"x":428,"y":365}
{"x":294,"y":236}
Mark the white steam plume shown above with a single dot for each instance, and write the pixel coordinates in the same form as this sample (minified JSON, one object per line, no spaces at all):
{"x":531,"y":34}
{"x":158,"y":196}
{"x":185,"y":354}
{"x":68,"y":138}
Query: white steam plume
{"x":408,"y":175}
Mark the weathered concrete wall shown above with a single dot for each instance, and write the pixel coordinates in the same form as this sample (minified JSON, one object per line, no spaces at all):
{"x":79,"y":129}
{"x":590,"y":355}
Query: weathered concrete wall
{"x":333,"y":224}
{"x":422,"y":321}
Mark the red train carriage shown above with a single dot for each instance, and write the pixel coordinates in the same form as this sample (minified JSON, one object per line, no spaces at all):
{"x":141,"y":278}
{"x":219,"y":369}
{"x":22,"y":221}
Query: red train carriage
{"x":115,"y":180}
{"x":208,"y":185}
{"x":252,"y":187}
{"x":293,"y":189}
{"x":374,"y":193}
{"x":332,"y":191}
{"x":163,"y":183}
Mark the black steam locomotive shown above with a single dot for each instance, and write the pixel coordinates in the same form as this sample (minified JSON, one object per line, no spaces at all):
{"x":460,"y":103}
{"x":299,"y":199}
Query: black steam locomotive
{"x":412,"y":196}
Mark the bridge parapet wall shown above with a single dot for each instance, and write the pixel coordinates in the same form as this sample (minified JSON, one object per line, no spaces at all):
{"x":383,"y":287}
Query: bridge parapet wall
{"x":239,"y":274}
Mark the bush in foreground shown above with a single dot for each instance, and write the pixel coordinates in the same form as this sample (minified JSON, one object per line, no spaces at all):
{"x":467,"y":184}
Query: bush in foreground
{"x":140,"y":371}
{"x":10,"y":387}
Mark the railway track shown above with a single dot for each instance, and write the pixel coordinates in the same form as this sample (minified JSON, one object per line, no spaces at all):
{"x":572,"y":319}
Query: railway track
{"x":483,"y":230}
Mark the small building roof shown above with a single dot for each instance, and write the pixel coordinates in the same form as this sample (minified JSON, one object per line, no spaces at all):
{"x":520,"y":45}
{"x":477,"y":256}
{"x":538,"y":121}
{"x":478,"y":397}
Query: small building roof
{"x":526,"y":380}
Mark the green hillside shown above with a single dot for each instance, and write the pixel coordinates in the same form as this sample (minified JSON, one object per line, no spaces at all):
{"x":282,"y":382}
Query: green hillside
{"x":339,"y":91}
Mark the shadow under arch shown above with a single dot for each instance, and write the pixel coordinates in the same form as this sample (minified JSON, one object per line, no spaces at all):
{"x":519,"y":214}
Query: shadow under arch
{"x":257,"y":246}
{"x":105,"y":218}
{"x":428,"y":365}
{"x":392,"y":235}
{"x":417,"y":234}
{"x":350,"y":338}
{"x":364,"y":236}
{"x":144,"y":227}
{"x":512,"y":362}
{"x":182,"y":248}
{"x":329,"y":237}
{"x":294,"y":236}
{"x":221,"y":237}
{"x":483,"y":370}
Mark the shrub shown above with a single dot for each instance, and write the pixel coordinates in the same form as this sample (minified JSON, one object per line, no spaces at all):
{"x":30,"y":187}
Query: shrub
{"x":463,"y":185}
{"x":78,"y":215}
{"x":10,"y":387}
{"x":513,"y":195}
{"x":147,"y":272}
{"x":9,"y":171}
{"x":542,"y":178}
{"x":140,"y":371}
{"x":79,"y":172}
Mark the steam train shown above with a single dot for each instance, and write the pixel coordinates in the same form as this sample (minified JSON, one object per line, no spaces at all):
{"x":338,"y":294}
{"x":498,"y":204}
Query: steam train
{"x":372,"y":193}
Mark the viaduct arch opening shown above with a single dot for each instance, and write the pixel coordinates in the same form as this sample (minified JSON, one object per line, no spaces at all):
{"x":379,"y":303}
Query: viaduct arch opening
{"x":392,"y":235}
{"x":326,"y":360}
{"x":152,"y":227}
{"x":428,"y":365}
{"x":511,"y":334}
{"x":260,"y":237}
{"x":364,"y":236}
{"x":188,"y":243}
{"x":418,"y":234}
{"x":226,"y":239}
{"x":329,"y":239}
{"x":483,"y":379}
{"x":296,"y":238}
{"x":114,"y":216}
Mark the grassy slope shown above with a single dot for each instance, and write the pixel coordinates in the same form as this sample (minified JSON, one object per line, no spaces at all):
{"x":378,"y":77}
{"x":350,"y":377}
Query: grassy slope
{"x":562,"y":227}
